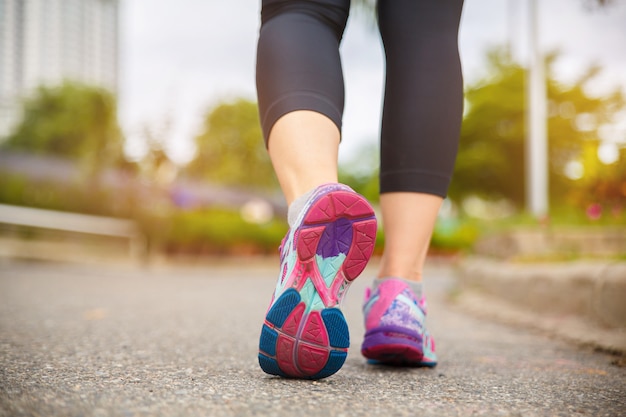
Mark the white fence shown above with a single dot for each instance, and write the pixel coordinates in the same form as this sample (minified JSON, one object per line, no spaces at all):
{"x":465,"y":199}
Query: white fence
{"x":77,"y":223}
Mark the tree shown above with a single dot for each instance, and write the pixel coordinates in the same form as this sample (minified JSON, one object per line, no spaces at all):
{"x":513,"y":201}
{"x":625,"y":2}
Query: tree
{"x":156,"y":165}
{"x":602,"y":186}
{"x":490,"y":162}
{"x":231,"y":150}
{"x":71,"y":120}
{"x":490,"y":159}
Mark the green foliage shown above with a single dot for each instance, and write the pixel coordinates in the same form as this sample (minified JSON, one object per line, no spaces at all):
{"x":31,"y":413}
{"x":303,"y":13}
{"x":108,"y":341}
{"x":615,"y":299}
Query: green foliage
{"x":231,"y":150}
{"x":605,"y":184}
{"x":217,"y":231}
{"x":361,"y":172}
{"x":491,"y":160}
{"x":73,"y":197}
{"x":449,"y":236}
{"x":71,"y":120}
{"x":203,"y":231}
{"x":455,"y":235}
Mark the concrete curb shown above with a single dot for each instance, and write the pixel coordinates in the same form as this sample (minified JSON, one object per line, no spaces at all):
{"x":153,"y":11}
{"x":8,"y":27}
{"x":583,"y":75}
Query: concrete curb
{"x":581,"y":301}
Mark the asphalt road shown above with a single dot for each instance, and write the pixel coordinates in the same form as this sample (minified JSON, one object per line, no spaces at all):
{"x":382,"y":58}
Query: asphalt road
{"x":106,"y":340}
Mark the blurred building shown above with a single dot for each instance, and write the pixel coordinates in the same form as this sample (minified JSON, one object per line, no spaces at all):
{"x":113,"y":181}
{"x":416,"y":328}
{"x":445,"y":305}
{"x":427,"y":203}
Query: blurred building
{"x":48,"y":41}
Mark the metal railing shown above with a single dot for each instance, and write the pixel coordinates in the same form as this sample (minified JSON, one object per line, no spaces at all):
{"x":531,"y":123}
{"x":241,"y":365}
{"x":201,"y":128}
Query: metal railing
{"x":77,"y":223}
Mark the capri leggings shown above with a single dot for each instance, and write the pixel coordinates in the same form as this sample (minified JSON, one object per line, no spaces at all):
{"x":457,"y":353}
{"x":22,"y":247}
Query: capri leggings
{"x":299,"y":68}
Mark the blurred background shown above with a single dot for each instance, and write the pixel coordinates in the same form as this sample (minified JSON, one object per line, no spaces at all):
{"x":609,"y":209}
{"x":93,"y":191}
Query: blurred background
{"x":131,"y":125}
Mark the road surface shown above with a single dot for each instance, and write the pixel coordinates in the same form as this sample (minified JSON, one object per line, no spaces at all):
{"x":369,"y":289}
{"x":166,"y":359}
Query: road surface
{"x":112,"y":340}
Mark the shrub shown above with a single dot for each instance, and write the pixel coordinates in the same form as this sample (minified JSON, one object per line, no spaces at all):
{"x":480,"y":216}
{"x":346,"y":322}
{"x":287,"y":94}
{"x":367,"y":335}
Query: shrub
{"x":455,"y":235}
{"x":215,"y":230}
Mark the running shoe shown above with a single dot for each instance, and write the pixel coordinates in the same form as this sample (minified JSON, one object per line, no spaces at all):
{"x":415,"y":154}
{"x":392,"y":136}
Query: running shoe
{"x":305,"y":334}
{"x":394,"y":324}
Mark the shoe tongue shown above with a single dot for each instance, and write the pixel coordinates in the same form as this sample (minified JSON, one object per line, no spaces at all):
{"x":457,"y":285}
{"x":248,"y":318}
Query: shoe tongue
{"x":400,"y":284}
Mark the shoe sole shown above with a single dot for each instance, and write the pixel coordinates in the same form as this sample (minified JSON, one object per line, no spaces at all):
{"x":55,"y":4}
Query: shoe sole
{"x":390,"y":347}
{"x":305,"y":334}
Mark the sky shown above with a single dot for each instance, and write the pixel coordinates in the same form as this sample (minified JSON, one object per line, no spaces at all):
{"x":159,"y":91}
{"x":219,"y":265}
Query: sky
{"x":179,"y":59}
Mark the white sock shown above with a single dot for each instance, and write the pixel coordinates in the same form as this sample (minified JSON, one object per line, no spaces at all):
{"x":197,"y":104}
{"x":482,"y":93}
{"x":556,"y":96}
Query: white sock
{"x":296,"y":207}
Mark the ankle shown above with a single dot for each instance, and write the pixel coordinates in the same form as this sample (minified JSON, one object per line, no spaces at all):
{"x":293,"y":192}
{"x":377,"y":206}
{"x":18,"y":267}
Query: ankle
{"x":405,"y":274}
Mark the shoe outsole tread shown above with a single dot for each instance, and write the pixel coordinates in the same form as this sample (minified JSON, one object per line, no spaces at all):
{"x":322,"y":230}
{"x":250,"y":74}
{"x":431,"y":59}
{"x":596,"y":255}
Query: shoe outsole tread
{"x":305,"y":334}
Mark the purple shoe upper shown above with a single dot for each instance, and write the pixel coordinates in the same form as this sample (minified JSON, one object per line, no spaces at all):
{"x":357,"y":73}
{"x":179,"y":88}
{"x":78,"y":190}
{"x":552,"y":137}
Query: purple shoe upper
{"x":394,"y":324}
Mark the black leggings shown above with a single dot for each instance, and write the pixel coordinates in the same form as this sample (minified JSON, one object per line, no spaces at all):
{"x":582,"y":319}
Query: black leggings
{"x":299,"y":68}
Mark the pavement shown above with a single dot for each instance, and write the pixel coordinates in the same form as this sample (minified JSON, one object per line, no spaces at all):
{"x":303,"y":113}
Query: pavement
{"x":111,"y":339}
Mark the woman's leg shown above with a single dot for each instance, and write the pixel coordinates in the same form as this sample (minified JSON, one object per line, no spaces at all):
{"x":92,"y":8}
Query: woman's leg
{"x":420,"y":132}
{"x":332,"y":229}
{"x":300,"y":90}
{"x":303,"y":147}
{"x":421,"y":125}
{"x":408,"y":221}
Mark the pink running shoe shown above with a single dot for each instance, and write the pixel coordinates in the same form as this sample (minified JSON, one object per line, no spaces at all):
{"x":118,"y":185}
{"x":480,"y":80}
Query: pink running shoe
{"x":394,"y":324}
{"x":305,"y":334}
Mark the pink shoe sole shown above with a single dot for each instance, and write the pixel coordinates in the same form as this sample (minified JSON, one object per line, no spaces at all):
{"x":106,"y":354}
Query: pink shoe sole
{"x":305,"y":334}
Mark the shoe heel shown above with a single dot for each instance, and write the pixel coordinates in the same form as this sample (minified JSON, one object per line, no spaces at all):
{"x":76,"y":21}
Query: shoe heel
{"x":299,"y":345}
{"x":340,"y":222}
